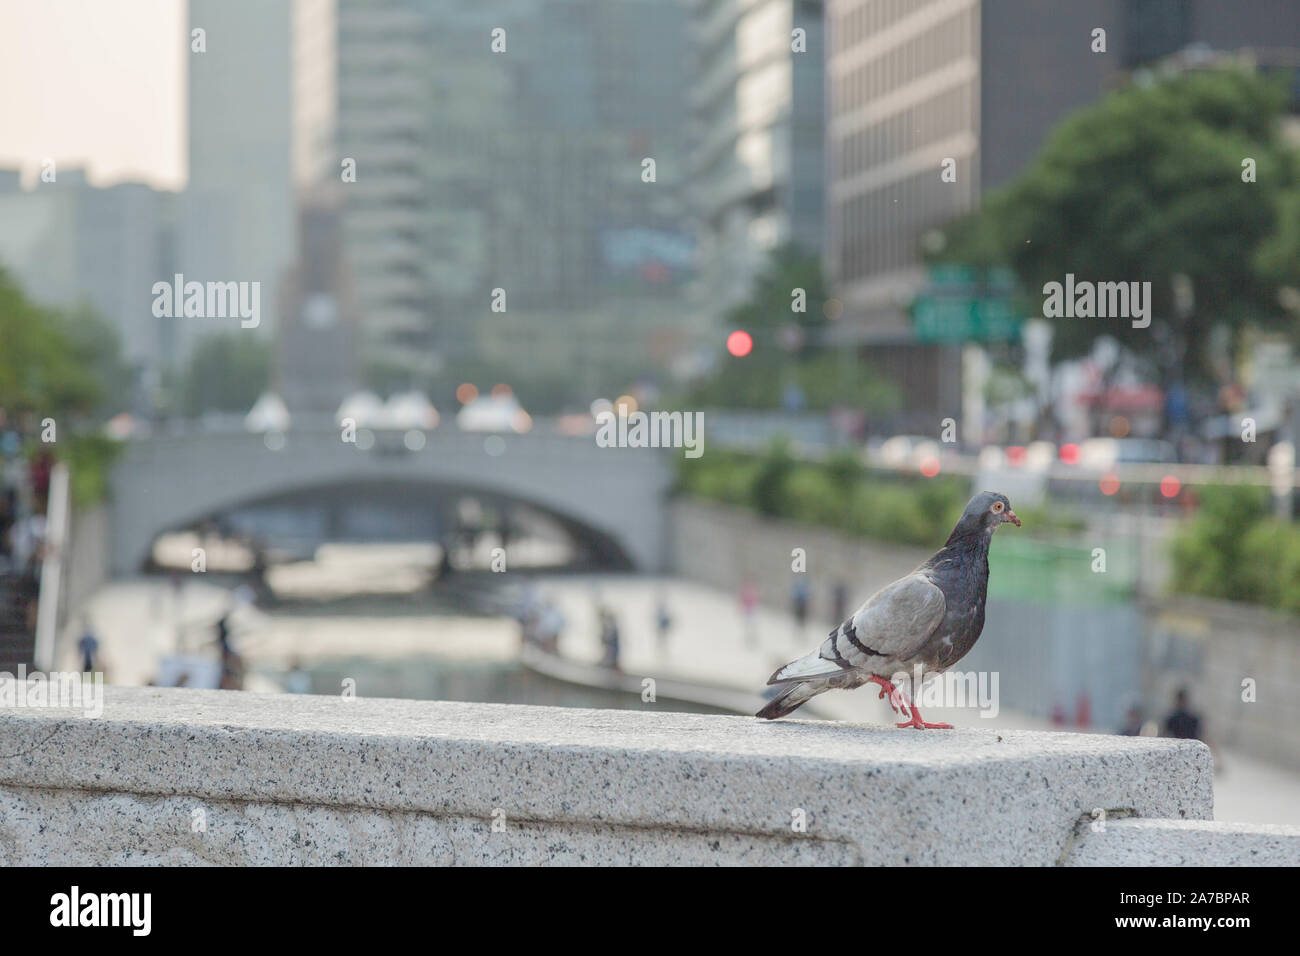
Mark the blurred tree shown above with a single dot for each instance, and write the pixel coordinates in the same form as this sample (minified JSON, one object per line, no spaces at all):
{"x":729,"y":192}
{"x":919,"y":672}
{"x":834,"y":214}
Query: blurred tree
{"x":48,"y":365}
{"x":95,"y":346}
{"x":1147,"y":185}
{"x":226,"y":373}
{"x":1279,"y":257}
{"x":62,"y":366}
{"x":790,"y":349}
{"x":774,"y":472}
{"x":768,"y":313}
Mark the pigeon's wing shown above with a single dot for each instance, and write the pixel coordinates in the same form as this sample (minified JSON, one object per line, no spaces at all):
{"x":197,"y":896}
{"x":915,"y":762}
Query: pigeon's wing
{"x":892,"y":624}
{"x":896,"y":620}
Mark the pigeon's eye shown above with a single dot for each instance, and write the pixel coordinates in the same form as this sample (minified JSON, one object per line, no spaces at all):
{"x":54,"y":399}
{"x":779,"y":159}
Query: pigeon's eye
{"x":997,"y":507}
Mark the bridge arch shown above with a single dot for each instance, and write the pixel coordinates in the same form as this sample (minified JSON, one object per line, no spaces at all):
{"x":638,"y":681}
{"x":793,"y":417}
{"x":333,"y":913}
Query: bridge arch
{"x":613,"y":497}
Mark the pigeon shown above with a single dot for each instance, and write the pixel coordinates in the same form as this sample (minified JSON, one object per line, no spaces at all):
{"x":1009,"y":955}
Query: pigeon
{"x":928,"y":619}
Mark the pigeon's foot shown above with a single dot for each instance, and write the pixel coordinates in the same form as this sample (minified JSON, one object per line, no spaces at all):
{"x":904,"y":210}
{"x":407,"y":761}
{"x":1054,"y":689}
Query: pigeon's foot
{"x":896,"y":699}
{"x":923,"y":725}
{"x":902,"y":706}
{"x":920,"y":724}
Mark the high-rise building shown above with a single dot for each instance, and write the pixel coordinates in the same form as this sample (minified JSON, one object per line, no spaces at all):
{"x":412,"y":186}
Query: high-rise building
{"x":315,"y":97}
{"x":237,"y":211}
{"x":757,"y":136}
{"x":913,"y":83}
{"x":500,"y":146}
{"x":316,"y":358}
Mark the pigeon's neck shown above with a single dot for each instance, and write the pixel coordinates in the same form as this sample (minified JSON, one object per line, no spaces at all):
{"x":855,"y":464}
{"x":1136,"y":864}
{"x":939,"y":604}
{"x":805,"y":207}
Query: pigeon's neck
{"x":965,"y":545}
{"x":976,"y":540}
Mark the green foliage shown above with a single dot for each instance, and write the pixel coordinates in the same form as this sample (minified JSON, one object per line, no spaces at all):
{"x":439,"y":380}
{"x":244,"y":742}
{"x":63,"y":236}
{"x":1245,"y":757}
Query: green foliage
{"x":836,"y":493}
{"x":891,"y":512}
{"x":721,"y":476}
{"x":65,"y":366}
{"x":46,"y":362}
{"x":758,"y":380}
{"x":769,"y":488}
{"x":844,"y":469}
{"x":226,"y":373}
{"x":768,"y":308}
{"x":89,"y":458}
{"x":105,"y":382}
{"x":1145,"y":185}
{"x":826,"y":380}
{"x":1233,"y":550}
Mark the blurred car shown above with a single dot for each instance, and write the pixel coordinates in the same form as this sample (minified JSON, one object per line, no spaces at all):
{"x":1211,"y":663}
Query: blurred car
{"x":403,"y":411}
{"x":1036,"y":456}
{"x":576,"y":423}
{"x":1106,"y":453}
{"x":494,"y":413}
{"x":905,"y":451}
{"x":268,"y":414}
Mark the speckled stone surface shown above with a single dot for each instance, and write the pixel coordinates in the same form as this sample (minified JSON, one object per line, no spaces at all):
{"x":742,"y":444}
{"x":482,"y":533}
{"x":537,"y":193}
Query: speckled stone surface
{"x":283,"y":778}
{"x":1186,"y":843}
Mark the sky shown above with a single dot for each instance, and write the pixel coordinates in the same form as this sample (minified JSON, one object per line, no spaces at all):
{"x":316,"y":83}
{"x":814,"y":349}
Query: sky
{"x":95,"y":83}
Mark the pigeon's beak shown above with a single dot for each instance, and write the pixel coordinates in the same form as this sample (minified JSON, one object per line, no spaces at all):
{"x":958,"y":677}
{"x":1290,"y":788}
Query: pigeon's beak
{"x":1011,"y":516}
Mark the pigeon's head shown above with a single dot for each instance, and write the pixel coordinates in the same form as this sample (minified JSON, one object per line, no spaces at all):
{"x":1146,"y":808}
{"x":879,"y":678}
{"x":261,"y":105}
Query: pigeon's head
{"x":986,"y":512}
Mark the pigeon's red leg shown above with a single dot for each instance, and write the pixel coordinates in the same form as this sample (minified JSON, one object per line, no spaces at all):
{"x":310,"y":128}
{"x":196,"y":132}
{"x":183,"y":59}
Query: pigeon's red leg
{"x":896,"y":699}
{"x":916,"y":720}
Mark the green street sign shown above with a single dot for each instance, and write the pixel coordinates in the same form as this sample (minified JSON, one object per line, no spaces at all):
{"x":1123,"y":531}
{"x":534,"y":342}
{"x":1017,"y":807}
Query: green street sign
{"x":950,"y":275}
{"x":954,"y":319}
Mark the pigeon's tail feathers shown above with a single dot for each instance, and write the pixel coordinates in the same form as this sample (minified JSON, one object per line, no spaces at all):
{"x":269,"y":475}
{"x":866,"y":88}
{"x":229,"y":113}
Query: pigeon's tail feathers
{"x":790,"y":700}
{"x":809,"y":667}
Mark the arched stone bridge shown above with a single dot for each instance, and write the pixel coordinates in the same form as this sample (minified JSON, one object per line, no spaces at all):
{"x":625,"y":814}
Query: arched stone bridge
{"x":169,"y":482}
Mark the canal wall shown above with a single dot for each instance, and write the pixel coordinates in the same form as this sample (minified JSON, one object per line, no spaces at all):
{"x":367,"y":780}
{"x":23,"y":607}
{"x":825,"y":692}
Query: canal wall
{"x":182,"y":776}
{"x":1070,"y":642}
{"x":1241,"y":664}
{"x":1062,"y":639}
{"x":86,"y":563}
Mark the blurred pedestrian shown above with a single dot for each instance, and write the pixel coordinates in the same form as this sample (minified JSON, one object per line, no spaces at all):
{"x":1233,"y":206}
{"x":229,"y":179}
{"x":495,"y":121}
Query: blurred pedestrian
{"x":1083,"y":710}
{"x":1132,"y":726}
{"x":799,"y":599}
{"x":749,"y":611}
{"x":609,"y":638}
{"x":232,"y":663}
{"x":528,"y":612}
{"x":223,"y":633}
{"x":550,"y":624}
{"x":839,"y":603}
{"x":88,"y":646}
{"x":1182,"y":722}
{"x":663,"y":619}
{"x":297,"y":680}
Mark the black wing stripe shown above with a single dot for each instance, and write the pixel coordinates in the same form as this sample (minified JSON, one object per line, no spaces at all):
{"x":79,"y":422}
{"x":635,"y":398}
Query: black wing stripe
{"x":835,"y":658}
{"x":851,"y":633}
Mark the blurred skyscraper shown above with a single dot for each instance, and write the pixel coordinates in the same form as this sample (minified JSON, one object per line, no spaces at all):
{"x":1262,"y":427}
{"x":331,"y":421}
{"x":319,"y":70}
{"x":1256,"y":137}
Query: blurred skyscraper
{"x":517,"y":168}
{"x":237,"y":212}
{"x":915,"y":82}
{"x":757,"y":166}
{"x":316,"y":363}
